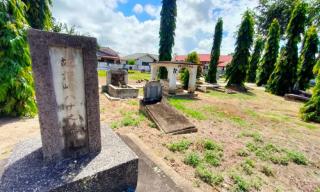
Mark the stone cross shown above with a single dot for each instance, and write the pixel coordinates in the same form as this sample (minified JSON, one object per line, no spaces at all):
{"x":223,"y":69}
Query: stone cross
{"x":65,"y":73}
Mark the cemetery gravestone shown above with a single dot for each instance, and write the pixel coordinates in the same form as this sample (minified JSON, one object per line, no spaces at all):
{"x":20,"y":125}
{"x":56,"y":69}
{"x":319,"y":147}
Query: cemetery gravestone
{"x":152,"y":92}
{"x":117,"y":77}
{"x":73,"y":157}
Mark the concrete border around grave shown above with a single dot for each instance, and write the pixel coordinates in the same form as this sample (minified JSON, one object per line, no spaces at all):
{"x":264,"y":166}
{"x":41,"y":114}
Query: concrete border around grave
{"x":40,"y":42}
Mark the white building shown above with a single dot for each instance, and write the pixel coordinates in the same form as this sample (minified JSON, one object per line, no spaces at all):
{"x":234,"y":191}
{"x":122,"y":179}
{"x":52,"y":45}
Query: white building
{"x":141,"y":61}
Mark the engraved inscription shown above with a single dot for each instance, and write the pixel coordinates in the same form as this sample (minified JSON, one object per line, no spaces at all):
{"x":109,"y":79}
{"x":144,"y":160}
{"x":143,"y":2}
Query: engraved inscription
{"x":68,"y":78}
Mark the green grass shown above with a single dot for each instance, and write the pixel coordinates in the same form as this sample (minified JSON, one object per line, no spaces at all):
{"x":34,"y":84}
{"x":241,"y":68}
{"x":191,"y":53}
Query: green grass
{"x":102,"y":73}
{"x":180,"y":104}
{"x":297,"y":157}
{"x":180,"y":146}
{"x":248,"y":166}
{"x":129,"y":119}
{"x":215,"y":112}
{"x":207,"y":176}
{"x":137,"y":75}
{"x":213,"y":158}
{"x":209,"y":144}
{"x":268,"y":171}
{"x":240,"y":184}
{"x":114,"y":125}
{"x":133,"y":102}
{"x":253,"y":134}
{"x":241,"y":96}
{"x":243,"y":153}
{"x":192,"y":159}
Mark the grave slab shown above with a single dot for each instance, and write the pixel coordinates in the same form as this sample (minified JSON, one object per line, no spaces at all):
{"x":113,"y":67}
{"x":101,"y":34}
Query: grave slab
{"x":113,"y":169}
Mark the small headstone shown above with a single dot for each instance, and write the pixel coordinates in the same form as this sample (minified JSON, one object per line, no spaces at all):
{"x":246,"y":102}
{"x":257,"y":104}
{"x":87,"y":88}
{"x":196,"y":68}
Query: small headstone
{"x":152,"y":92}
{"x":117,"y":77}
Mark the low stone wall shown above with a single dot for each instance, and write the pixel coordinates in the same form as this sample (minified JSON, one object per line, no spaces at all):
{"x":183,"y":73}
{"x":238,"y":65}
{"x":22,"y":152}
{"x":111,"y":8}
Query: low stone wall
{"x":123,"y":93}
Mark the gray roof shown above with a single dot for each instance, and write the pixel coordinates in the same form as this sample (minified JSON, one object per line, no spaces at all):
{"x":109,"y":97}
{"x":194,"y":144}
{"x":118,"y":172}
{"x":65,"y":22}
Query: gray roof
{"x":106,"y":51}
{"x":139,"y":55}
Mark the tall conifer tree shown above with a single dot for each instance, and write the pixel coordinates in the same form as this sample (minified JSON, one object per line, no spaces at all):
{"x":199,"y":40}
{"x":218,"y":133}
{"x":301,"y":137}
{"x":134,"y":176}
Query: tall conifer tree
{"x":215,"y":52}
{"x":39,"y":14}
{"x":236,"y":72}
{"x":16,"y":83}
{"x":308,"y":58}
{"x":254,"y":60}
{"x":284,"y":75}
{"x":167,"y":33}
{"x":270,"y":55}
{"x":311,"y":110}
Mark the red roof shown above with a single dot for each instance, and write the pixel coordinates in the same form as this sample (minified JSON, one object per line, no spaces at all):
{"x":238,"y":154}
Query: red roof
{"x":224,"y":60}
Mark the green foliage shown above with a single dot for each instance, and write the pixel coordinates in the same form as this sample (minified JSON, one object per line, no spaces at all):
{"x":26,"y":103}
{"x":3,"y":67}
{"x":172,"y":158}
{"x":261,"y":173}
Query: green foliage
{"x":308,"y":58}
{"x":311,"y":110}
{"x":248,"y":166}
{"x":215,"y":52}
{"x":131,"y":119}
{"x":212,"y":145}
{"x":284,"y":75}
{"x":192,"y":58}
{"x":167,"y":33}
{"x":16,"y":83}
{"x":131,"y":62}
{"x":236,"y":72}
{"x":255,"y":58}
{"x":297,"y":157}
{"x":181,"y":145}
{"x":270,"y":55}
{"x":243,"y":153}
{"x":39,"y":14}
{"x":268,"y":10}
{"x":207,"y":176}
{"x":192,"y":159}
{"x":213,"y":157}
{"x":241,"y":185}
{"x":180,"y":104}
{"x":267,"y":171}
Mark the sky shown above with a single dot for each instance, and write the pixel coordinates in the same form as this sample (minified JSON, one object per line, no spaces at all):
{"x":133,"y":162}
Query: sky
{"x":132,"y":26}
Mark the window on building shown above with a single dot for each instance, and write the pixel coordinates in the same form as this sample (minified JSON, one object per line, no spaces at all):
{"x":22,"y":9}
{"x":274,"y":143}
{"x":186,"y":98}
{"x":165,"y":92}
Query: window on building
{"x":145,"y":64}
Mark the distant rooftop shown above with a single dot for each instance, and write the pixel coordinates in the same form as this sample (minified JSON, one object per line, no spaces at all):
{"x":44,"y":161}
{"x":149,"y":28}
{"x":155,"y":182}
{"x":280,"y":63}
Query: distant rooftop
{"x":136,"y":56}
{"x":224,"y":60}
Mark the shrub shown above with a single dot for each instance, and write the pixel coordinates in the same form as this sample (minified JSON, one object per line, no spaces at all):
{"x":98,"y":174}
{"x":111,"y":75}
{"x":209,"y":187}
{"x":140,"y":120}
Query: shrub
{"x":179,"y":146}
{"x":211,"y":145}
{"x":297,"y":157}
{"x":208,"y":177}
{"x":192,"y":159}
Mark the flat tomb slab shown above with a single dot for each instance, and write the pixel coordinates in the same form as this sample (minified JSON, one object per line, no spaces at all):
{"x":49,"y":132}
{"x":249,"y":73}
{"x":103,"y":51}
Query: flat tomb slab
{"x":115,"y":168}
{"x":169,"y":119}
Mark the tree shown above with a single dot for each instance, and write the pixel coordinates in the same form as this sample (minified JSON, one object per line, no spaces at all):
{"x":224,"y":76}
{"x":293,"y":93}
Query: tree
{"x":311,"y":110}
{"x":270,"y":55}
{"x":215,"y":52}
{"x":314,"y":13}
{"x":255,"y":58}
{"x":192,"y":58}
{"x":167,"y":33}
{"x":131,"y":62}
{"x":284,"y":75}
{"x":16,"y":82}
{"x":308,"y":58}
{"x":38,"y":13}
{"x":236,"y":71}
{"x":268,"y":10}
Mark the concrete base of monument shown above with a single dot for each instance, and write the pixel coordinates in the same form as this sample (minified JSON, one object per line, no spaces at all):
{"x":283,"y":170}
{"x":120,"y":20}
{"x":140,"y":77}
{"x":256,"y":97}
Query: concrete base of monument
{"x":115,"y":168}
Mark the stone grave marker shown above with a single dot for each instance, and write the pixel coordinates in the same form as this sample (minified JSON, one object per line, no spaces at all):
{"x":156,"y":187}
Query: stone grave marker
{"x":117,"y":77}
{"x":74,"y":153}
{"x":152,"y":92}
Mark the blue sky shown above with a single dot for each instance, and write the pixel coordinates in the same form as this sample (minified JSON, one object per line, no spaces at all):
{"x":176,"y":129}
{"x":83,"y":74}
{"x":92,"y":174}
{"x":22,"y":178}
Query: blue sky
{"x":130,"y":26}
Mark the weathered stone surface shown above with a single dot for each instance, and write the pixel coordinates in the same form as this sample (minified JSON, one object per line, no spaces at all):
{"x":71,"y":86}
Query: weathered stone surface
{"x":152,"y":92}
{"x":122,"y":92}
{"x":117,"y":77}
{"x":64,"y":69}
{"x":168,"y":119}
{"x":115,"y":168}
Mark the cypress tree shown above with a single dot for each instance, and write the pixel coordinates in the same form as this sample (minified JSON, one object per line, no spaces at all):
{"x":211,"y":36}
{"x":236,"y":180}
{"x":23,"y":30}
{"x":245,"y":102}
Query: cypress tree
{"x":38,"y":14}
{"x":270,"y":55}
{"x":308,"y":58}
{"x":284,"y":75}
{"x":16,"y":83}
{"x":255,"y":58}
{"x":167,"y":33}
{"x":236,"y":72}
{"x":215,"y":52}
{"x":192,"y":58}
{"x":311,"y":110}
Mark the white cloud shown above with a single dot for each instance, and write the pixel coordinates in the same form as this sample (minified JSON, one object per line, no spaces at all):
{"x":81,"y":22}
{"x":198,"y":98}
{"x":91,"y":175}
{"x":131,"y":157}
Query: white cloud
{"x":126,"y":34}
{"x":138,"y":8}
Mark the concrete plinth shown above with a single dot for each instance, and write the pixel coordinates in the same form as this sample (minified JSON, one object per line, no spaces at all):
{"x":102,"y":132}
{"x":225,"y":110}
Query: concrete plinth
{"x":115,"y":168}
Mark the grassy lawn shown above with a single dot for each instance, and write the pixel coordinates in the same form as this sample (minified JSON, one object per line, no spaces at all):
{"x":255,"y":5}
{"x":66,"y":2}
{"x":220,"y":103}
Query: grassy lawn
{"x":132,"y":75}
{"x":245,"y":142}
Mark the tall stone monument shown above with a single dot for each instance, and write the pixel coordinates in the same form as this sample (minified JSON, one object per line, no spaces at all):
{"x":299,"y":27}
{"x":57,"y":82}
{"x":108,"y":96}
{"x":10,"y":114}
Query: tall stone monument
{"x":74,"y":154}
